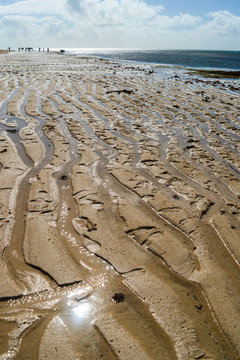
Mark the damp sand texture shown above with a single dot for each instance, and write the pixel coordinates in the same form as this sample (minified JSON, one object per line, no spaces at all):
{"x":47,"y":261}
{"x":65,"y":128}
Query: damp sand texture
{"x":119,"y":194}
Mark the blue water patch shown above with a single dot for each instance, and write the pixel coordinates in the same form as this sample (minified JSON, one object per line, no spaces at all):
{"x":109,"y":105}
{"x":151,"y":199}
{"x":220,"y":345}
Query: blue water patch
{"x":201,"y":59}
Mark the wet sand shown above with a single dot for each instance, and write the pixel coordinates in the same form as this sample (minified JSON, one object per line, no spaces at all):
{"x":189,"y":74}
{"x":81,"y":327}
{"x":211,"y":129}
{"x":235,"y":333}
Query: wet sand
{"x":119,"y":192}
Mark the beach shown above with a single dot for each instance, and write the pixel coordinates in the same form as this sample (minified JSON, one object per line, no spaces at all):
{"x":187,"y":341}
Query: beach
{"x":120,"y":211}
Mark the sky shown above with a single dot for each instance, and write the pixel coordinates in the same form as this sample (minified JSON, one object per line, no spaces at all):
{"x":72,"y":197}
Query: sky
{"x":141,"y":24}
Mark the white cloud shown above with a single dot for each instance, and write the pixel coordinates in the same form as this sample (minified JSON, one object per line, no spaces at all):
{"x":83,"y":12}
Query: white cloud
{"x":112,"y":23}
{"x":179,"y":21}
{"x":33,"y":7}
{"x":26,"y":29}
{"x":223,"y":23}
{"x":111,"y":12}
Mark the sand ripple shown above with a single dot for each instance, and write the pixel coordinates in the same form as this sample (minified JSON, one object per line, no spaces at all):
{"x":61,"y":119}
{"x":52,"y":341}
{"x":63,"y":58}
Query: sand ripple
{"x":117,"y":183}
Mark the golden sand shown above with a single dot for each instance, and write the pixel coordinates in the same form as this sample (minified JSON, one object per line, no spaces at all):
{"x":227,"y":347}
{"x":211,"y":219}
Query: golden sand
{"x":119,"y":193}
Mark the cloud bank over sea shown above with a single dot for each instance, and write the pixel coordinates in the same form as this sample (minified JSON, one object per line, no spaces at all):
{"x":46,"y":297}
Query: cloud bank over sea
{"x":114,"y":23}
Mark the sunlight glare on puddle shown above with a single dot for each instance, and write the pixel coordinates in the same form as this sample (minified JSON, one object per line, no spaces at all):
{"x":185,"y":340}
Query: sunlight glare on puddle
{"x":82,"y":310}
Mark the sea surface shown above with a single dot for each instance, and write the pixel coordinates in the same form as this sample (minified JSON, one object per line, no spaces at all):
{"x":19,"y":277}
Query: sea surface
{"x":200,"y":59}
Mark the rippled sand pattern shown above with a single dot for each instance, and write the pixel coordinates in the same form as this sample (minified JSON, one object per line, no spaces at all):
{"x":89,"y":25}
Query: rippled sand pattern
{"x":119,"y":193}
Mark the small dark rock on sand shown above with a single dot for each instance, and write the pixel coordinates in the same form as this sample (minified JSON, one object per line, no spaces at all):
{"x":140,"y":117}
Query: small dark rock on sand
{"x":118,"y":297}
{"x":63,"y":177}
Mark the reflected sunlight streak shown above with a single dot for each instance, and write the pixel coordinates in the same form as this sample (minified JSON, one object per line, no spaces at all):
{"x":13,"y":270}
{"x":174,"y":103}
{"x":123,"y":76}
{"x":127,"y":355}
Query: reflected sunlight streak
{"x":82,"y":309}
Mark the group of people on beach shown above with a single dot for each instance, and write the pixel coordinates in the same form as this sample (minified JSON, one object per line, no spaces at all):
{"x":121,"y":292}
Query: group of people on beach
{"x":39,"y":49}
{"x":28,"y":49}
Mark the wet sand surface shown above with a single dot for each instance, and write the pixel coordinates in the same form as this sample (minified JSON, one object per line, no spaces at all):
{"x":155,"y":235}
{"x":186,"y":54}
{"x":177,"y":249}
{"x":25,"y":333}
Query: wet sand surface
{"x":119,"y":193}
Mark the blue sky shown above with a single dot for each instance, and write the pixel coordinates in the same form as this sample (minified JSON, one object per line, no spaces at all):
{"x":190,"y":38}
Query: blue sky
{"x":198,"y":7}
{"x":150,"y":24}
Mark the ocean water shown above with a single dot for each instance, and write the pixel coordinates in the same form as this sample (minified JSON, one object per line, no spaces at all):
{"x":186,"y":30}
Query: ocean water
{"x":201,"y":59}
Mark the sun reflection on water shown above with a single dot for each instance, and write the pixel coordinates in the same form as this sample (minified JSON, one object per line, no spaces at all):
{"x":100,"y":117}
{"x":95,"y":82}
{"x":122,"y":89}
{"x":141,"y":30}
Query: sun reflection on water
{"x":82,"y":310}
{"x":83,"y":302}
